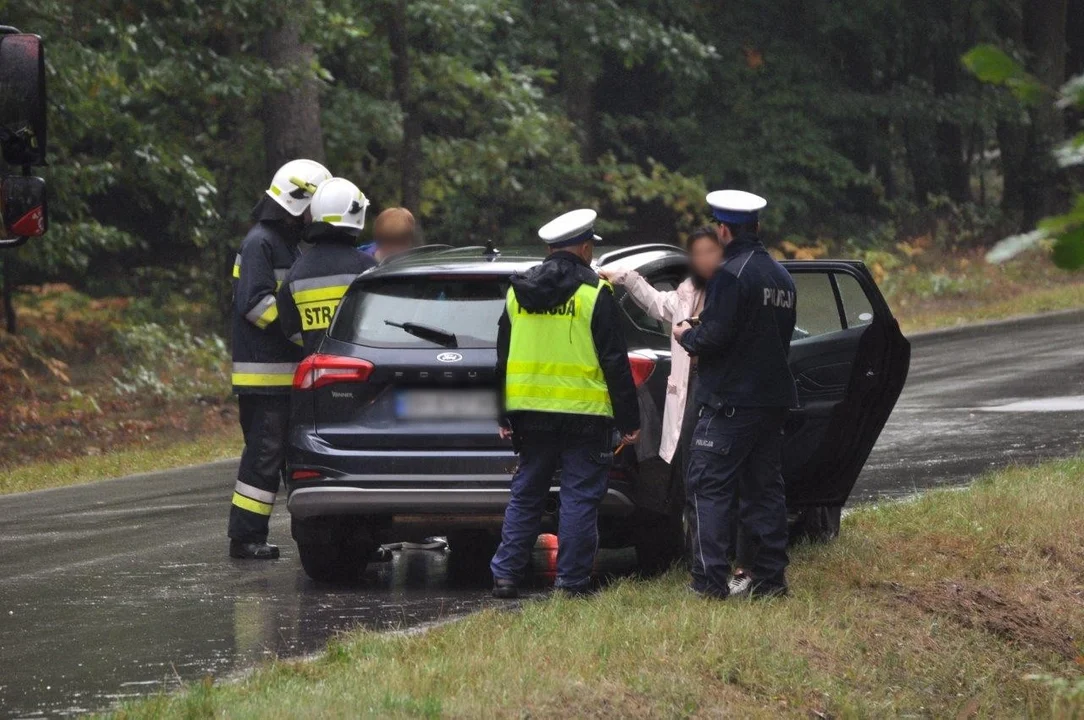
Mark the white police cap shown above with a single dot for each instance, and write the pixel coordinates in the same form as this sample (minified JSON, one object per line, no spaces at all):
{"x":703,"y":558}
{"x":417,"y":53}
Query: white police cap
{"x":572,"y":228}
{"x":736,"y":207}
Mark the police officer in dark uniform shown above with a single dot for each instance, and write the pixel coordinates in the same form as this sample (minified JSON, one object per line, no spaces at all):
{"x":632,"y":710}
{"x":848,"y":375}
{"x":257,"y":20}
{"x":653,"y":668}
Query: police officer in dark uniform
{"x":317,"y":282}
{"x":746,"y":387}
{"x":264,"y":360}
{"x":563,"y":368}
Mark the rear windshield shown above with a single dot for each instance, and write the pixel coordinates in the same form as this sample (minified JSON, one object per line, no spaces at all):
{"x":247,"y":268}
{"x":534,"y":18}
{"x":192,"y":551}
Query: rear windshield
{"x":467,"y":307}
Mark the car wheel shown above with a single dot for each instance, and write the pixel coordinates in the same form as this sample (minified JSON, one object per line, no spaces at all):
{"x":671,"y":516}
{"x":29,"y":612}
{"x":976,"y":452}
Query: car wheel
{"x":660,"y":542}
{"x":333,"y":549}
{"x":816,"y":524}
{"x":469,"y":553}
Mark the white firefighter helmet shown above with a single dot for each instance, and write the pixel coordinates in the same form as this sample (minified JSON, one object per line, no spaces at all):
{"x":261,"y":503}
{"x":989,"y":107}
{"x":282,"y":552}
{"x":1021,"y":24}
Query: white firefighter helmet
{"x":295,"y":183}
{"x":339,"y":202}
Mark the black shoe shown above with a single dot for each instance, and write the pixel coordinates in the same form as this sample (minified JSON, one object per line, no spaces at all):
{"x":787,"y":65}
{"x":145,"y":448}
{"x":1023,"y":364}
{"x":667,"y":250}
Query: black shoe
{"x":580,"y":591}
{"x":253,"y":550}
{"x":709,"y":594}
{"x":505,"y":589}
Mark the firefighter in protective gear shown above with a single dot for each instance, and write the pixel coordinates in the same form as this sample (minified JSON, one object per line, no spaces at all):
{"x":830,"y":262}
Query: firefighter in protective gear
{"x":317,"y":282}
{"x":263,"y":359}
{"x":563,"y":368}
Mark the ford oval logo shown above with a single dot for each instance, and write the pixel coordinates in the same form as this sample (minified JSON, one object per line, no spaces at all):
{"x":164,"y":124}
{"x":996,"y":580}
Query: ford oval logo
{"x":449,"y":357}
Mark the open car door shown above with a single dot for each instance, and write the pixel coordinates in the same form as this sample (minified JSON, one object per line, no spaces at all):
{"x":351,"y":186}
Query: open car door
{"x":850,"y":362}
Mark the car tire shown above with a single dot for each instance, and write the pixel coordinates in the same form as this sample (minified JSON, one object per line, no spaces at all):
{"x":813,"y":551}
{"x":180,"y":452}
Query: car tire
{"x":661,"y":541}
{"x":469,"y":554}
{"x":333,"y":549}
{"x":816,"y":524}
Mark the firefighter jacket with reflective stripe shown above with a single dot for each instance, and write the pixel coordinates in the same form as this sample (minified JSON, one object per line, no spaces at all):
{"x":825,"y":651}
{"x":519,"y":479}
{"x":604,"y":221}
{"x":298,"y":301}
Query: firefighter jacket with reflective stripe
{"x":263,"y":359}
{"x":315,"y":285}
{"x":561,"y":358}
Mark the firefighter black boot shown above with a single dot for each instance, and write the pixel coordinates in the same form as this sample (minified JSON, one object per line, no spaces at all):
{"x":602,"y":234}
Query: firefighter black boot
{"x":253,"y":550}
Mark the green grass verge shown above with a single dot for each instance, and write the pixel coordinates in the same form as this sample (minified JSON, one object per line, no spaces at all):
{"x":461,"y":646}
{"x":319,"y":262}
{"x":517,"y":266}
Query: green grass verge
{"x":1050,"y":299}
{"x":40,"y":475}
{"x":941,"y":607}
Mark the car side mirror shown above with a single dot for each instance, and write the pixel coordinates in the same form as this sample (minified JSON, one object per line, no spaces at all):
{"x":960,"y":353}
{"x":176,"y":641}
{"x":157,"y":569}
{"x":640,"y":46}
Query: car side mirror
{"x":22,"y":98}
{"x":23,"y":208}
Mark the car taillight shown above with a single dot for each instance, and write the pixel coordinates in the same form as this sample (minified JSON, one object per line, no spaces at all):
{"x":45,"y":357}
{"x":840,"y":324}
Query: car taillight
{"x":305,"y":475}
{"x":642,"y":367}
{"x":316,"y":371}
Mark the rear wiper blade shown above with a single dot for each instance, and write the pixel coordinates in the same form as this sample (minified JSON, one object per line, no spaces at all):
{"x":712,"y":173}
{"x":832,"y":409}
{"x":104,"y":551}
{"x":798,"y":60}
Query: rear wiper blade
{"x":427,"y":332}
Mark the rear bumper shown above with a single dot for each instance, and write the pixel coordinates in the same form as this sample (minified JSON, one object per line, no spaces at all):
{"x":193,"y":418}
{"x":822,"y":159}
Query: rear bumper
{"x":307,"y":502}
{"x":426,"y":486}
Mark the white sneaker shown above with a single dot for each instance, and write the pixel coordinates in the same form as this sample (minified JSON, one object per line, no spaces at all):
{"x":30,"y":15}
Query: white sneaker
{"x":739,"y":584}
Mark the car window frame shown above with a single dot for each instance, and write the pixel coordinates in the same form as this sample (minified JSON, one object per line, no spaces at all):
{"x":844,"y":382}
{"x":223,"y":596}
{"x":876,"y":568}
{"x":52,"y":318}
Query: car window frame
{"x":878,"y":307}
{"x":674,"y":267}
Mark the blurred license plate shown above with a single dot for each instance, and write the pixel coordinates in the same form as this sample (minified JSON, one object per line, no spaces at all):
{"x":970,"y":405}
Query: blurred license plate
{"x":447,"y":404}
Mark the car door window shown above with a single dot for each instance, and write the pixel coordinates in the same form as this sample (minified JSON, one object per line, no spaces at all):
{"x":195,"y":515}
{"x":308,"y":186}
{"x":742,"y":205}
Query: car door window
{"x":640,"y":318}
{"x":818,"y":313}
{"x":856,"y":306}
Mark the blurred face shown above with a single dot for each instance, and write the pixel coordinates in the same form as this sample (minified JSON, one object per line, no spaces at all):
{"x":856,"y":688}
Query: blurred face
{"x":394,"y":243}
{"x":705,"y":255}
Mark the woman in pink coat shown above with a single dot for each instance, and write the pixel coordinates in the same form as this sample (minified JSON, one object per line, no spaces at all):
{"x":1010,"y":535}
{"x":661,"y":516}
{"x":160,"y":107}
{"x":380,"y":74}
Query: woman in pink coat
{"x":674,"y":306}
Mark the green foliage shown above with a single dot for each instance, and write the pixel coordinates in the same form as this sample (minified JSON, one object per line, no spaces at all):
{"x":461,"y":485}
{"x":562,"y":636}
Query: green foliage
{"x":171,"y":362}
{"x":993,"y":65}
{"x":838,"y":113}
{"x":1065,"y":232}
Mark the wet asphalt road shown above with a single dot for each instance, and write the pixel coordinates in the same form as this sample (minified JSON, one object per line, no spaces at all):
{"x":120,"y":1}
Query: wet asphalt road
{"x":121,"y":588}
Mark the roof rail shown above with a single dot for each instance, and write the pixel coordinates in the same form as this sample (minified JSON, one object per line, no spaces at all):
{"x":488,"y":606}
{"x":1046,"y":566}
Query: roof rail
{"x":625,"y":252}
{"x":420,"y":250}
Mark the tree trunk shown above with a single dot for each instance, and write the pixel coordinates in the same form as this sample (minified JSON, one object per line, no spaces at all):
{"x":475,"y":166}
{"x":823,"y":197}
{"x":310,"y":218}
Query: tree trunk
{"x":1012,"y":135}
{"x":1074,"y":28}
{"x":579,"y":94}
{"x":410,"y":160}
{"x":7,"y":279}
{"x":955,"y":174}
{"x":922,"y":160}
{"x":1046,"y":26}
{"x":291,"y":118}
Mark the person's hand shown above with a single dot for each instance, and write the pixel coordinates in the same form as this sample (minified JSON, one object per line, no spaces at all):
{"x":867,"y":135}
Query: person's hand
{"x":680,"y":329}
{"x":613,"y":275}
{"x":504,"y":432}
{"x":631,"y":438}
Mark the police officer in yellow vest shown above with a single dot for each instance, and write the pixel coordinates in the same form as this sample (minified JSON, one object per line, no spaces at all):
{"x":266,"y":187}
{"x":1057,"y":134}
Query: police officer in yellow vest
{"x":563,"y":367}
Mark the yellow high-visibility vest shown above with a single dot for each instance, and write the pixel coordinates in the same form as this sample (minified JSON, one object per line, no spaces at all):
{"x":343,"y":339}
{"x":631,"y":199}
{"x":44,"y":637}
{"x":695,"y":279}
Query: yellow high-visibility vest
{"x":552,"y":362}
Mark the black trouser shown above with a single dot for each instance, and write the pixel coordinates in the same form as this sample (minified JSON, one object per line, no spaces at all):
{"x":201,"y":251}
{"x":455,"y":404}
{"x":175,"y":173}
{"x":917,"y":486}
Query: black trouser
{"x":741,"y":549}
{"x":736,"y":461}
{"x":265,"y":422}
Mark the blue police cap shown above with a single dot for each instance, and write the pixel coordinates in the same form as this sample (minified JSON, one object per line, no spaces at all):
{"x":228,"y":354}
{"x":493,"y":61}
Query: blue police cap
{"x":736,"y":207}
